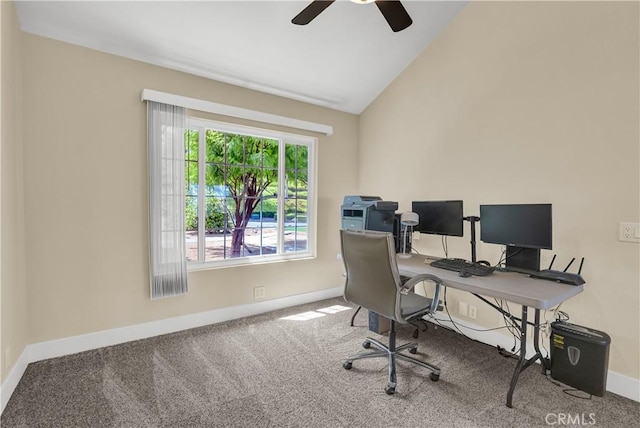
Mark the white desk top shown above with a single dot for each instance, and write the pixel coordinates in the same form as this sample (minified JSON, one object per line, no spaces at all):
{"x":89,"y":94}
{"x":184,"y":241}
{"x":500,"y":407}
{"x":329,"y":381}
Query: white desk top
{"x":513,"y":287}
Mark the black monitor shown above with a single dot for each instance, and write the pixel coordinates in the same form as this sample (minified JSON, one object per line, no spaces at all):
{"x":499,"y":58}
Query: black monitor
{"x":524,"y":228}
{"x":439,"y":217}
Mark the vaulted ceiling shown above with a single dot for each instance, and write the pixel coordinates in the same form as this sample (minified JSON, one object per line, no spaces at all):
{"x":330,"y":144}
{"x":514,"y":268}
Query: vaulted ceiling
{"x":342,"y":60}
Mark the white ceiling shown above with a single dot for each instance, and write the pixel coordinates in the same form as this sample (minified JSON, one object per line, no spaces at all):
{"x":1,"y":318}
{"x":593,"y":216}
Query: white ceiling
{"x":342,"y":60}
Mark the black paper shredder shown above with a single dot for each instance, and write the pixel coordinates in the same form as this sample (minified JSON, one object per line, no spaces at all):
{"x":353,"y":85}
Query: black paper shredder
{"x":580,"y":357}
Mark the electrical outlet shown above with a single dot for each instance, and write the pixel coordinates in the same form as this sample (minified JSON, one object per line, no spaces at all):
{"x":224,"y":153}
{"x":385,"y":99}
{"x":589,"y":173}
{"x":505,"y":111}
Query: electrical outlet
{"x":462,"y":309}
{"x":472,"y":312}
{"x":259,"y":292}
{"x":629,"y":232}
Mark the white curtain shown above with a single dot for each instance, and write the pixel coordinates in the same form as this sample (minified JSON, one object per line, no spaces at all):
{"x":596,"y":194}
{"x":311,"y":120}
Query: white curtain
{"x":165,"y":141}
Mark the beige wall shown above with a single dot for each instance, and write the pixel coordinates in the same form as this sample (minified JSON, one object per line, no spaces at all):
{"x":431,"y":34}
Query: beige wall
{"x":14,"y":319}
{"x":526,"y":103}
{"x":86,"y":193}
{"x":513,"y":103}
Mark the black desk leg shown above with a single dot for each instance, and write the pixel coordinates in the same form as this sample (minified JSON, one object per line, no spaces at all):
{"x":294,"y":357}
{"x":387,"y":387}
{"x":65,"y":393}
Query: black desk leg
{"x":536,"y":344}
{"x":523,"y":363}
{"x":521,"y":359}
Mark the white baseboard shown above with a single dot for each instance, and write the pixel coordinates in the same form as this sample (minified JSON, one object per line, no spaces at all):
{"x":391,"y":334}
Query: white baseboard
{"x":623,"y":385}
{"x":85,"y":342}
{"x":11,"y":382}
{"x":616,"y":383}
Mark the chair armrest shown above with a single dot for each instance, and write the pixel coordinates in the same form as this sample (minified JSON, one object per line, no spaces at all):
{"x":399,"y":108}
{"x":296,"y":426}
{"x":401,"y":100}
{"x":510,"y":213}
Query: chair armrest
{"x":435,"y":300}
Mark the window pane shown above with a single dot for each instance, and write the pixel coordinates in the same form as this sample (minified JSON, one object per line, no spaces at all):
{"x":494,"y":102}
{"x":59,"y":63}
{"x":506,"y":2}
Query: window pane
{"x":218,"y":241}
{"x":254,"y":151}
{"x":242,"y":196}
{"x":297,"y":157}
{"x":255,"y":188}
{"x":295,"y":236}
{"x":217,"y":246}
{"x":191,"y":145}
{"x":217,"y":228}
{"x":269,"y":204}
{"x":191,"y":226}
{"x":214,"y":177}
{"x":235,"y":149}
{"x":215,"y":146}
{"x":191,"y":194}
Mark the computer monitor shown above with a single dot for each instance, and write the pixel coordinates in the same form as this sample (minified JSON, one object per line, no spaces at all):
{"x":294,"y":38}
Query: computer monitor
{"x":439,"y":217}
{"x":524,"y":228}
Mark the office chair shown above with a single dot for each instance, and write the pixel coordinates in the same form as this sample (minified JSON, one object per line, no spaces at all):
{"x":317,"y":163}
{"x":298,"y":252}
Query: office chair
{"x":373,"y":282}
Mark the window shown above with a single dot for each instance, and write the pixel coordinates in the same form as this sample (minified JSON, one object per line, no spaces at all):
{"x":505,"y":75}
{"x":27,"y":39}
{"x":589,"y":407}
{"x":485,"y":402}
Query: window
{"x":253,"y":189}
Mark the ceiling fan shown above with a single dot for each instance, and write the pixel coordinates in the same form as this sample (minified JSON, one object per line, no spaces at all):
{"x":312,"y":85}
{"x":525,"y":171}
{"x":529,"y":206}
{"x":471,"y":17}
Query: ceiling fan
{"x":393,"y":11}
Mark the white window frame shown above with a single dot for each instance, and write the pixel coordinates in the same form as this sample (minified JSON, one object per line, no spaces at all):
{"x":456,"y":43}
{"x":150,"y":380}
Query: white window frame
{"x":201,"y":125}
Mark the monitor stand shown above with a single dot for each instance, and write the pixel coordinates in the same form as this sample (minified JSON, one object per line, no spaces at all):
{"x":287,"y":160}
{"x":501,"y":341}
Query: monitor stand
{"x":520,"y":259}
{"x":473,"y":220}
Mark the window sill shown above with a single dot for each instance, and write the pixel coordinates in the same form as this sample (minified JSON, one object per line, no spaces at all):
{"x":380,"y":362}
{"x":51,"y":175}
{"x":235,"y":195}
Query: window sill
{"x":247,"y":261}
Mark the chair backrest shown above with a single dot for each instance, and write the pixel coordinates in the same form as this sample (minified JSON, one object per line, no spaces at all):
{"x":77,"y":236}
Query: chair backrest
{"x":373,"y":280}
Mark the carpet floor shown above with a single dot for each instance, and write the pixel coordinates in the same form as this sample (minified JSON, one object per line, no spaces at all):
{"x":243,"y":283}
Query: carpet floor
{"x":283,"y":370}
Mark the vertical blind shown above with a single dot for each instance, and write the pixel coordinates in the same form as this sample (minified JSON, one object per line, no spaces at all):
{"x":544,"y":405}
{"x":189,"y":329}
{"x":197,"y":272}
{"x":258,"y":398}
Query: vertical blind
{"x":165,"y":141}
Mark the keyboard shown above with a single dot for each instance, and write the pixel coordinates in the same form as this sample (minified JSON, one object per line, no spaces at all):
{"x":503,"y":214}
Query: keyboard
{"x":459,"y":265}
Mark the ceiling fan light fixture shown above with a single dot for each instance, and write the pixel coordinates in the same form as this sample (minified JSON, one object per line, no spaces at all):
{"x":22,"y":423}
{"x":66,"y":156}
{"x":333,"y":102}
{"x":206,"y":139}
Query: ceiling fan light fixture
{"x":363,"y":1}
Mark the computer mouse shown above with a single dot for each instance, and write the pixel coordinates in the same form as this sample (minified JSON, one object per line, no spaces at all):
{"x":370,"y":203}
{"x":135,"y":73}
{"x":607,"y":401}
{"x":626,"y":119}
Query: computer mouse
{"x":464,"y":274}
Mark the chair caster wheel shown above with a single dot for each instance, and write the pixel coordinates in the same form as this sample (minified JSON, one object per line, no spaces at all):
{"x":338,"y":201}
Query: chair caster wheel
{"x":347,"y":365}
{"x":415,"y":333}
{"x":366,"y":344}
{"x":434,"y":377}
{"x":413,"y":350}
{"x":390,"y":390}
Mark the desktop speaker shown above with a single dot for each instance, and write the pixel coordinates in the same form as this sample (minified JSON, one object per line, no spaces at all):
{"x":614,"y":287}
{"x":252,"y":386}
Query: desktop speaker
{"x":580,"y":357}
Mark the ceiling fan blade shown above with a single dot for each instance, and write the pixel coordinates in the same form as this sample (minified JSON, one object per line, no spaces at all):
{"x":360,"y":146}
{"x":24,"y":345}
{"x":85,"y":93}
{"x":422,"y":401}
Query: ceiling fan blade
{"x":309,"y":13}
{"x":395,"y":14}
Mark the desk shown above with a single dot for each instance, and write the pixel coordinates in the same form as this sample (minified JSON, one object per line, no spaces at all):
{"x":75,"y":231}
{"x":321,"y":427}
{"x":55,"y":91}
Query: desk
{"x":510,"y":286}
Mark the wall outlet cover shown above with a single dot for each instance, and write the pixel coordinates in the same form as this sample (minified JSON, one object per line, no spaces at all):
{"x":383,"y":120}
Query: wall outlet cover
{"x":629,"y":232}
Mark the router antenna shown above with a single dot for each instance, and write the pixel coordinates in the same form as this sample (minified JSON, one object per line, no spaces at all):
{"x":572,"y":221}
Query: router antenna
{"x":565,"y":269}
{"x":580,"y":268}
{"x":552,"y":260}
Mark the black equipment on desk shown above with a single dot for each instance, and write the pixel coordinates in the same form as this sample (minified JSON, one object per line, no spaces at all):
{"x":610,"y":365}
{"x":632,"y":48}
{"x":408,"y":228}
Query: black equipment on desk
{"x":368,"y":213}
{"x":464,"y":266}
{"x":399,"y":236}
{"x":372,"y":213}
{"x":560,"y":276}
{"x":580,"y":357}
{"x":524,"y":228}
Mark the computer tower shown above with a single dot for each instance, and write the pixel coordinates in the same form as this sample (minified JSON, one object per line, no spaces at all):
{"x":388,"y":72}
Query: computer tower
{"x":580,"y":357}
{"x":398,"y":235}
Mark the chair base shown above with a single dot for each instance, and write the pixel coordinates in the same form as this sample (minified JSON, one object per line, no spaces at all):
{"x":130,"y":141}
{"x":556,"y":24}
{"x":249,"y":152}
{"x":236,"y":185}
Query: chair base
{"x":393,"y":354}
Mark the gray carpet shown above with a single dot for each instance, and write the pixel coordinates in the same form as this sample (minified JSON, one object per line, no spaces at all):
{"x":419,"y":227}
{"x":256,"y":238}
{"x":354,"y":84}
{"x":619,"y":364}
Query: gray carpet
{"x":265,"y":371}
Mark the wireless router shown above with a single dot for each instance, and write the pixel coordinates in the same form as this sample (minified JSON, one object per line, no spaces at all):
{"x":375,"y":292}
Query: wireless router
{"x":560,"y":276}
